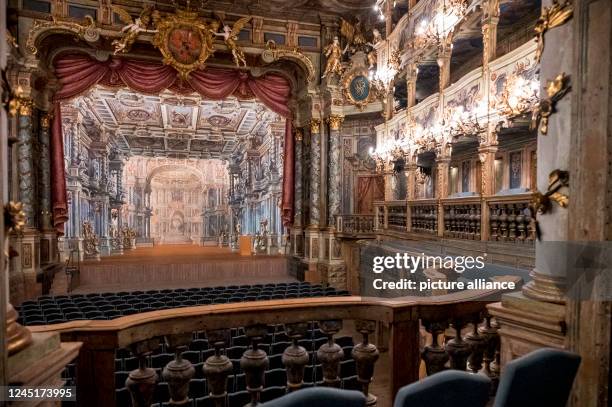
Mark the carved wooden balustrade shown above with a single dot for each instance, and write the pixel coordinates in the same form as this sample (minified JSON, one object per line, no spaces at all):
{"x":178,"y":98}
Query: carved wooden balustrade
{"x":397,"y":215}
{"x":398,"y":318}
{"x":462,"y":218}
{"x":357,"y":225}
{"x":510,"y":219}
{"x":424,"y":216}
{"x":502,"y":218}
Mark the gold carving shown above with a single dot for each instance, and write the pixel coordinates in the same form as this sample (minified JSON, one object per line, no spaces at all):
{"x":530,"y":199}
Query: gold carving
{"x":87,"y":31}
{"x":553,"y":16}
{"x":555,"y":90}
{"x":185,"y":41}
{"x":14,"y":217}
{"x":45,"y":121}
{"x":299,"y":134}
{"x":333,"y":52}
{"x":230,"y":36}
{"x":315,"y":126}
{"x":335,"y":122}
{"x":133,"y":28}
{"x":542,"y":202}
{"x":274,"y":53}
{"x":25,"y":107}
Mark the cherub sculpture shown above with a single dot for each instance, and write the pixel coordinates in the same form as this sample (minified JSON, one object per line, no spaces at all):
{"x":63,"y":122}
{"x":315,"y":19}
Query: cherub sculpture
{"x":333,"y":52}
{"x":133,"y":28}
{"x":230,"y":36}
{"x":376,"y":38}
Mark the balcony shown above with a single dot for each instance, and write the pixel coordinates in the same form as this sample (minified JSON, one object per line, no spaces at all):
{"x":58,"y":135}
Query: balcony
{"x":406,"y":334}
{"x":355,"y":226}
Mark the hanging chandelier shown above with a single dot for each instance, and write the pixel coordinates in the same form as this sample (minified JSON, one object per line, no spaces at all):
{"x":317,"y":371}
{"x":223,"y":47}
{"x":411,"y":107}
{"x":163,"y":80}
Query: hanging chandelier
{"x":447,"y":15}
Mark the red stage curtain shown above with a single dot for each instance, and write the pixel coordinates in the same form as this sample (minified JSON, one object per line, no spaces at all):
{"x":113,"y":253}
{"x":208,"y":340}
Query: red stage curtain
{"x":77,"y":73}
{"x":58,"y":177}
{"x":288,"y":163}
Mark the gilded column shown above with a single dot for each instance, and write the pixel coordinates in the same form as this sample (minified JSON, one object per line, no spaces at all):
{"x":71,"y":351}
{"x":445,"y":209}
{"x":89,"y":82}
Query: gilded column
{"x":490,"y":19}
{"x":443,"y":158}
{"x":315,"y":172}
{"x":444,"y":59}
{"x":26,"y":162}
{"x":297,"y":181}
{"x":486,"y":154}
{"x":411,"y":78}
{"x":333,"y":190}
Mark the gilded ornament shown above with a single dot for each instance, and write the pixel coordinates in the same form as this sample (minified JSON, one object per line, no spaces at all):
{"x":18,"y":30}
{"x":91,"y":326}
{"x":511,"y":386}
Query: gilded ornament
{"x":315,"y":126}
{"x":274,"y":53}
{"x":14,"y":217}
{"x":542,"y":202}
{"x":299,"y":134}
{"x":45,"y":121}
{"x":335,"y":122}
{"x":25,"y":107}
{"x":230,"y":36}
{"x":553,"y":16}
{"x":555,"y":90}
{"x":133,"y":27}
{"x":333,"y":52}
{"x":185,"y":41}
{"x":87,"y":31}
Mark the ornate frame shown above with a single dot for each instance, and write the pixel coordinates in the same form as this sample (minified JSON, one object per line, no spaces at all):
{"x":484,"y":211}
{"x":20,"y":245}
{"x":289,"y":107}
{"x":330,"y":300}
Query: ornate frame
{"x":191,"y":21}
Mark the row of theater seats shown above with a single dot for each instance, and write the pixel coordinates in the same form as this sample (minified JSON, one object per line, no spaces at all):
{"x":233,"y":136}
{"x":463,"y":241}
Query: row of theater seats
{"x":63,"y":308}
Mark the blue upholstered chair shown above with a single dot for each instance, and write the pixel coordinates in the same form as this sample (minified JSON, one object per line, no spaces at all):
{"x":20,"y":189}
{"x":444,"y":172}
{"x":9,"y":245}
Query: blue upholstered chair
{"x":450,"y":388}
{"x":541,"y":378}
{"x":319,"y":397}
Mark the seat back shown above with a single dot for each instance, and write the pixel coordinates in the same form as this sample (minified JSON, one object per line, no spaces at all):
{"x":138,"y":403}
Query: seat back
{"x":541,"y":378}
{"x":450,"y":388}
{"x":319,"y":397}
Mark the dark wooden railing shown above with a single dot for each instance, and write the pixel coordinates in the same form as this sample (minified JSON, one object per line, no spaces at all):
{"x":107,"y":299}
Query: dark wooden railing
{"x":355,"y":225}
{"x":399,"y":318}
{"x":503,"y":218}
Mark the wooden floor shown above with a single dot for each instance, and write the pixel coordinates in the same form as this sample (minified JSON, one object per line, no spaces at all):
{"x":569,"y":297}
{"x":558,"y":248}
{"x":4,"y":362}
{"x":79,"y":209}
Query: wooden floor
{"x":179,"y":266}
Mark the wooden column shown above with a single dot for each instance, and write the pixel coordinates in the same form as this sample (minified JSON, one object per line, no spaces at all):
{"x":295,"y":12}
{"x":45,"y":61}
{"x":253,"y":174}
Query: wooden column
{"x":404,"y":360}
{"x":589,"y":213}
{"x":95,"y":376}
{"x":411,"y":78}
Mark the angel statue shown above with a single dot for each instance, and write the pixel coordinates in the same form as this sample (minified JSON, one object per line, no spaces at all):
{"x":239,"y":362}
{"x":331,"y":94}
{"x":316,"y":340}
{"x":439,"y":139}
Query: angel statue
{"x":372,"y":58}
{"x":230,"y":36}
{"x":133,"y":27}
{"x":333,"y":52}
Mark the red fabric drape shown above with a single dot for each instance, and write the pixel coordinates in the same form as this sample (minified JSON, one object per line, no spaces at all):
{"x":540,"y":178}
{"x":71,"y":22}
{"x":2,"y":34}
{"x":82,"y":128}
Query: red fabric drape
{"x":58,"y":177}
{"x":77,"y":73}
{"x":288,"y":163}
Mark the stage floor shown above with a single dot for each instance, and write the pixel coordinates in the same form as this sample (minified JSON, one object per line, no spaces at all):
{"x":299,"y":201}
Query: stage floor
{"x":179,"y":266}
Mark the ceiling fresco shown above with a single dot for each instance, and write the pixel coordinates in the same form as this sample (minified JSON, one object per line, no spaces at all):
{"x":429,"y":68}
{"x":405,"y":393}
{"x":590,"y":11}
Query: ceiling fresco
{"x":174,"y":126}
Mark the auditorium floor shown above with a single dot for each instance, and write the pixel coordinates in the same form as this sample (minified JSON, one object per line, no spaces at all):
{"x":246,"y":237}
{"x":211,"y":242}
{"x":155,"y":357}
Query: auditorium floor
{"x":179,"y":266}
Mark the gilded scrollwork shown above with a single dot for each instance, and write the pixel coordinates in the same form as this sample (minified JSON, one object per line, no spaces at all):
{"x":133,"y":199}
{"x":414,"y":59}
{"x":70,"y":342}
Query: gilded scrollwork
{"x":555,"y":90}
{"x":542,"y":202}
{"x":553,"y":16}
{"x":274,"y":53}
{"x":86,"y":31}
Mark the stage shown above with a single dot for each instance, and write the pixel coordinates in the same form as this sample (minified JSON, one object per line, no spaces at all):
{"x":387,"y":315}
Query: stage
{"x":179,"y":266}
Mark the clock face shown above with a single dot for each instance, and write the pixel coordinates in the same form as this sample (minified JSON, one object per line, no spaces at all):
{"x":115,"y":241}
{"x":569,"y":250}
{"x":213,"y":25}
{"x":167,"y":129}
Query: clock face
{"x":185,"y":45}
{"x":360,"y":88}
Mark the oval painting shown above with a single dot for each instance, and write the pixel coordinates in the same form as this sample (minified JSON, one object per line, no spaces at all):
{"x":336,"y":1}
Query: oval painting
{"x":360,"y":88}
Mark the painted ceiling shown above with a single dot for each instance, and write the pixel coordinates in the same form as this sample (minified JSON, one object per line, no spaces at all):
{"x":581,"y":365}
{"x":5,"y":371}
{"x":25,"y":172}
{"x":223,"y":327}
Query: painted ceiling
{"x":169,"y":125}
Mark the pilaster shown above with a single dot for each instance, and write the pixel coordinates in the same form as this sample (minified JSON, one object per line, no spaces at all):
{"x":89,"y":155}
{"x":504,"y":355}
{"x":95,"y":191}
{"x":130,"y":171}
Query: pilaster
{"x":333,"y":193}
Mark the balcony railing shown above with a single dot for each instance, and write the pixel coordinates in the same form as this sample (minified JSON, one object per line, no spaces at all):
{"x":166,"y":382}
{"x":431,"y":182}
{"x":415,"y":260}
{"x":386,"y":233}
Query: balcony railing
{"x":355,"y":225}
{"x":495,"y":218}
{"x":392,"y":324}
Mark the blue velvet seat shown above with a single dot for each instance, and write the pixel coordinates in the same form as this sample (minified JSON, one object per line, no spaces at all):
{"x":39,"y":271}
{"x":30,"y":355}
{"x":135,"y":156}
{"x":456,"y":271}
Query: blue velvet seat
{"x":450,"y":388}
{"x":320,"y":397}
{"x":541,"y":378}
